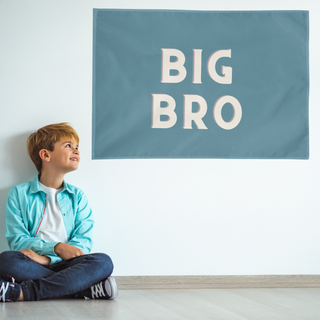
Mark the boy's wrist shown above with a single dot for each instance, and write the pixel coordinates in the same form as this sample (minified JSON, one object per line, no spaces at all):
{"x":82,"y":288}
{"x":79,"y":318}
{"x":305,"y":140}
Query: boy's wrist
{"x":47,"y":260}
{"x":57,"y":248}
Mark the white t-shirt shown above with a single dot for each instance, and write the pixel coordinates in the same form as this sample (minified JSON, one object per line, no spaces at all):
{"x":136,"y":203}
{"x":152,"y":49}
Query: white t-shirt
{"x":52,"y":227}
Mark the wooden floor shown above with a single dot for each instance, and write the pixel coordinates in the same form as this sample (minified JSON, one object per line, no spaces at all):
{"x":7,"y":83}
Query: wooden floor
{"x":197,"y":304}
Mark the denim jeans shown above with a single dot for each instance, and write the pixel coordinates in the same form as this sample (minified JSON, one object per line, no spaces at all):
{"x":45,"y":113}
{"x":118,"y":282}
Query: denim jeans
{"x":63,"y":279}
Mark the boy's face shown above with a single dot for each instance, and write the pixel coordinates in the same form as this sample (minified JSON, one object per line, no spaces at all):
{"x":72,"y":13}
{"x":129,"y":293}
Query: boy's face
{"x":65,"y":156}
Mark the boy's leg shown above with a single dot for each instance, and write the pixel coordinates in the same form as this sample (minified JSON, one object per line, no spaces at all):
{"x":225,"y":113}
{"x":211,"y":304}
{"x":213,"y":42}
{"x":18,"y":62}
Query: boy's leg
{"x":16,"y":267}
{"x":14,"y":264}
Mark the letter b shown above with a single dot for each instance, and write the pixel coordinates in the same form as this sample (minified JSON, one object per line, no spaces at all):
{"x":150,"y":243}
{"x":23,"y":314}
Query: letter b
{"x":167,"y":65}
{"x":157,"y":111}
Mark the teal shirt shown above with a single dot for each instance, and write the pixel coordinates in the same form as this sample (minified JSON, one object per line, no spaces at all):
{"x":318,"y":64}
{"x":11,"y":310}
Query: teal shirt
{"x":26,"y":207}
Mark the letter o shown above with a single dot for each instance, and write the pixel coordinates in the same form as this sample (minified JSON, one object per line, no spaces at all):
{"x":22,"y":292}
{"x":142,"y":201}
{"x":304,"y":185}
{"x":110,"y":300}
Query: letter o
{"x":237,"y":112}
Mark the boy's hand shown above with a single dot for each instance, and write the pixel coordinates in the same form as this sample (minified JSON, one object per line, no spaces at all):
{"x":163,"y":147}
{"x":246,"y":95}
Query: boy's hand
{"x":66,"y":251}
{"x":43,"y":260}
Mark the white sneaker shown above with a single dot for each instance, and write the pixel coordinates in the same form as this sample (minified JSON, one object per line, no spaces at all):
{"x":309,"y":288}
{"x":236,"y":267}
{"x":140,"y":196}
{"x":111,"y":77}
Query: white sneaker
{"x":106,"y":289}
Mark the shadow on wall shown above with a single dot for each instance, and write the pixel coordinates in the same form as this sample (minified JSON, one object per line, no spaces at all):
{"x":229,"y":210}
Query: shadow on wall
{"x":3,"y":199}
{"x":20,"y":169}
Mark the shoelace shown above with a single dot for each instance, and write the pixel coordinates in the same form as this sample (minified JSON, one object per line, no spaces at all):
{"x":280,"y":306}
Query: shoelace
{"x":4,"y":288}
{"x":97,"y":291}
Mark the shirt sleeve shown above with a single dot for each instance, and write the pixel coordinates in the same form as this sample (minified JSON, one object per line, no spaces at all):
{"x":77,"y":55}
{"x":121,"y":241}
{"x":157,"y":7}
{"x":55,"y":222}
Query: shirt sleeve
{"x":81,"y":236}
{"x":17,"y":233}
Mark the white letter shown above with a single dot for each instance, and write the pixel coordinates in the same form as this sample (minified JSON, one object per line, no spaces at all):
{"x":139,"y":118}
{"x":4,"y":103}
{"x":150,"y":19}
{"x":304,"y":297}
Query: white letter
{"x":197,"y":65}
{"x":157,"y":111}
{"x":226,"y":71}
{"x":167,"y":65}
{"x":196,"y":116}
{"x":237,"y":112}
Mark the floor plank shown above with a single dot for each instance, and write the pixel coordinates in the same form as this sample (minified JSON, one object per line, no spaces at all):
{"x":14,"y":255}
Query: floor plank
{"x":288,"y":303}
{"x":310,"y":294}
{"x":232,"y":300}
{"x":188,"y":306}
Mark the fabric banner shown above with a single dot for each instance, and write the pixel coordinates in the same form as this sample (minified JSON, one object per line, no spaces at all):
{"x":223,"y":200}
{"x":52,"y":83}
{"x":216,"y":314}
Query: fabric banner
{"x":200,"y":84}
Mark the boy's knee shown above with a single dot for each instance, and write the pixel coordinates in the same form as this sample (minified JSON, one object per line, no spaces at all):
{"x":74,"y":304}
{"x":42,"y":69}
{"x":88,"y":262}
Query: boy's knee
{"x":9,"y":256}
{"x":7,"y":262}
{"x":105,"y":262}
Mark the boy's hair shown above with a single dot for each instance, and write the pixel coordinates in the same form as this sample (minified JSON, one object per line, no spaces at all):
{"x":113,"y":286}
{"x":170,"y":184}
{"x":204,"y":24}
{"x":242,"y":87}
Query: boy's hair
{"x":46,"y":137}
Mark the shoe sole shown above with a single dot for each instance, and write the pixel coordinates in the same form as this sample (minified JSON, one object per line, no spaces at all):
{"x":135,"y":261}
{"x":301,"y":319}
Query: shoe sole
{"x":114,"y":288}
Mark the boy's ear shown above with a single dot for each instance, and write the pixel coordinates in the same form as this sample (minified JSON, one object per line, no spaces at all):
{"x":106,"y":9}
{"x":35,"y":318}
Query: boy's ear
{"x":44,"y":155}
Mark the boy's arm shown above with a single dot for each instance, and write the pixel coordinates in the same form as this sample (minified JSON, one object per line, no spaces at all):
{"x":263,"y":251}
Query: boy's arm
{"x":81,"y":236}
{"x":67,"y":251}
{"x":17,"y":234}
{"x":43,"y":260}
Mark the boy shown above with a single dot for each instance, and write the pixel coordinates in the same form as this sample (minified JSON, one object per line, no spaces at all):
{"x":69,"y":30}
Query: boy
{"x":49,"y":228}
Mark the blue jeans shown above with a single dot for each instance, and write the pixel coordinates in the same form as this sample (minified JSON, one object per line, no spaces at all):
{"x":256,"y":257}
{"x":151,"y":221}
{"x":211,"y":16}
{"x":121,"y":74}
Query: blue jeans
{"x":63,"y":279}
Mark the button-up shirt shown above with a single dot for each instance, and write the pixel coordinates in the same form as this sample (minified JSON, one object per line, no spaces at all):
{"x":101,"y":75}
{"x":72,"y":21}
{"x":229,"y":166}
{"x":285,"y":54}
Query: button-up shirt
{"x":26,"y":209}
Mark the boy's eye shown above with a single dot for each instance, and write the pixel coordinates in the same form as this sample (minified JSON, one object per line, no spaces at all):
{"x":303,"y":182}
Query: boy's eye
{"x":68,"y":145}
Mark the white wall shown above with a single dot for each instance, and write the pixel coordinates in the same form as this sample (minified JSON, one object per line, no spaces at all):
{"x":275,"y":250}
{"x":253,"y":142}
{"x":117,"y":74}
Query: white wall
{"x":156,"y":217}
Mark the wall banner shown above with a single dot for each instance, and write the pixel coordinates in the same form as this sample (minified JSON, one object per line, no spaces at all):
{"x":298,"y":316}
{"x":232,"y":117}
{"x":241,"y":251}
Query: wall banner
{"x":200,"y":84}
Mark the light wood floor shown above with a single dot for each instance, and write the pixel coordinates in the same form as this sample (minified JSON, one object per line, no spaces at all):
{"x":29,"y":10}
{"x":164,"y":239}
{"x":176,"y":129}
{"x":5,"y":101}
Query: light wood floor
{"x":197,"y":304}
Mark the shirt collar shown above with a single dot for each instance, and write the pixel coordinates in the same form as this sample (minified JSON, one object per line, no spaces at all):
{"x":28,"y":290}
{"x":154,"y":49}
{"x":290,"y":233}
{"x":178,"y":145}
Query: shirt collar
{"x":34,"y":186}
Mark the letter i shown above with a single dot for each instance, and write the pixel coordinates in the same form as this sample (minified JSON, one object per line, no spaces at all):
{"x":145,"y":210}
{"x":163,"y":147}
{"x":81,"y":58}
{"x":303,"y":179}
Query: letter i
{"x":197,"y":58}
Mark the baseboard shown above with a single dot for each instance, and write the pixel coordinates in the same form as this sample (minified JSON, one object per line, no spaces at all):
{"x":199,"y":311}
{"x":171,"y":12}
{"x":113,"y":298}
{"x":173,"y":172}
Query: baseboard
{"x":218,"y":282}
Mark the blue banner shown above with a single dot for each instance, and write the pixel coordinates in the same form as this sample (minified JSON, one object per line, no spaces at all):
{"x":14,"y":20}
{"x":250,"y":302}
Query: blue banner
{"x":200,"y":84}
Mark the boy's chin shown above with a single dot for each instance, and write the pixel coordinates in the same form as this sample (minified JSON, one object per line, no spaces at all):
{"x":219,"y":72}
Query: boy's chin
{"x":71,"y":169}
{"x":74,"y":169}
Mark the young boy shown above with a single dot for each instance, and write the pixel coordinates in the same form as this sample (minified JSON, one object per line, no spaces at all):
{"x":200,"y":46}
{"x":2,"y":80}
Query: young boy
{"x":49,"y":228}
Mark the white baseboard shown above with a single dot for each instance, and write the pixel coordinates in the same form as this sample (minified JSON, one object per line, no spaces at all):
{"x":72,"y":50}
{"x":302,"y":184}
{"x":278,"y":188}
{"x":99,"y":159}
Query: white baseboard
{"x":218,"y":282}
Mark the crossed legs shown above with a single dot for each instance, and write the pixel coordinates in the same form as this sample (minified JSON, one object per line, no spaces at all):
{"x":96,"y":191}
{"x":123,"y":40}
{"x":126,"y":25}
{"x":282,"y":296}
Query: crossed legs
{"x":65,"y":278}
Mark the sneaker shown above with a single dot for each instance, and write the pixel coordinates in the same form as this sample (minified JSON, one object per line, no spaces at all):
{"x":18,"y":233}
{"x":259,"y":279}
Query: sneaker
{"x":106,"y":289}
{"x":9,"y":292}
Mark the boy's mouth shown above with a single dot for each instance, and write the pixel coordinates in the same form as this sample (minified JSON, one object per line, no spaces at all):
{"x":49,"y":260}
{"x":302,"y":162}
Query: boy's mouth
{"x":74,"y":159}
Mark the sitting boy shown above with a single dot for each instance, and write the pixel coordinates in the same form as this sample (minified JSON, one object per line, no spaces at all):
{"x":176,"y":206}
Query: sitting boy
{"x":49,"y":228}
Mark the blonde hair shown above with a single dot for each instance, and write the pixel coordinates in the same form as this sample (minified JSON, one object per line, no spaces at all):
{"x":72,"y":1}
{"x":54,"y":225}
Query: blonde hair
{"x":46,"y":137}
